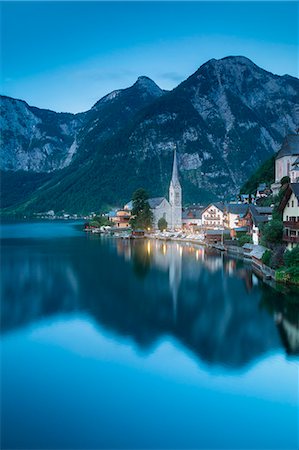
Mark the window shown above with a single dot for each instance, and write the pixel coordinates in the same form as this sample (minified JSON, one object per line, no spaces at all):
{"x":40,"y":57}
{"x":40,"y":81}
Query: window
{"x":292,"y":203}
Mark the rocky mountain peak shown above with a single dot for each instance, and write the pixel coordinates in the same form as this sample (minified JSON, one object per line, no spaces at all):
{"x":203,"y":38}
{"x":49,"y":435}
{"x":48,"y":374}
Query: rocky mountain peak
{"x":148,"y":85}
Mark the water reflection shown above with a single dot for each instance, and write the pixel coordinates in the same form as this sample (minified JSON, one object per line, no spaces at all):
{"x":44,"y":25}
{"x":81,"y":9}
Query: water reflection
{"x":144,"y":289}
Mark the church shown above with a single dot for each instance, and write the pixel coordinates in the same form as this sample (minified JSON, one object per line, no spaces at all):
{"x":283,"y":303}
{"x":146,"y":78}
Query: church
{"x":170,"y":210}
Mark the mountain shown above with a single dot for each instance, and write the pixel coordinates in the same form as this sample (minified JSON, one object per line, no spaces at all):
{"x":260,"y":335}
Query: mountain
{"x":225,"y":120}
{"x":264,"y":174}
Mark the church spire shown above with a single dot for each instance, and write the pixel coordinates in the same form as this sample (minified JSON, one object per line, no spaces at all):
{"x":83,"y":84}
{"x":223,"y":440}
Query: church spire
{"x":175,"y":176}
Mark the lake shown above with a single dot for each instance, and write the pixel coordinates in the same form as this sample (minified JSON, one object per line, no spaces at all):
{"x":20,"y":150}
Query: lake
{"x":119,"y":344}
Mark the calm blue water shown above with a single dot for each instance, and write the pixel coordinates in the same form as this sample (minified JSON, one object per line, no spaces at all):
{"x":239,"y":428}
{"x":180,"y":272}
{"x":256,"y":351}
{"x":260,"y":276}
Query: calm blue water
{"x":119,"y":345}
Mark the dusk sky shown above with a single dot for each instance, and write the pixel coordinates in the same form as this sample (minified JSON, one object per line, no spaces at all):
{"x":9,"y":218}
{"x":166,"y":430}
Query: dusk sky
{"x":66,"y":55}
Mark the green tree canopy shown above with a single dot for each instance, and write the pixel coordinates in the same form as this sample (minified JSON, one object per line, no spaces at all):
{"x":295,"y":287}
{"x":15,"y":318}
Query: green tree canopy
{"x":100,"y":221}
{"x":142,"y":216}
{"x":291,"y":257}
{"x":162,"y":224}
{"x":284,"y":180}
{"x":272,"y":232}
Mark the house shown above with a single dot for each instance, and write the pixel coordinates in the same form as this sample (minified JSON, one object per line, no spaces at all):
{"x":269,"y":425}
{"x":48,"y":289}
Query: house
{"x":191,"y":216}
{"x":120,"y":218}
{"x":216,"y":236}
{"x":234,"y":212}
{"x":255,"y":217}
{"x":289,"y":206}
{"x":213,"y":216}
{"x":247,"y":198}
{"x":262,"y":191}
{"x":285,"y":158}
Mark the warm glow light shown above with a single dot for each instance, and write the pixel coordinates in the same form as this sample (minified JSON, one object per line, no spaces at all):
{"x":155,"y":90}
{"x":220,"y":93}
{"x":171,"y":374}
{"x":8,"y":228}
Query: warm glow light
{"x":164,"y":249}
{"x":197,"y":255}
{"x":149,"y":248}
{"x":148,"y":229}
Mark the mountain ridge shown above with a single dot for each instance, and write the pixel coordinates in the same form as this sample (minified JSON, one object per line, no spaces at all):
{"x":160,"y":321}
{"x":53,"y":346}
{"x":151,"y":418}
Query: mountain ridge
{"x":226,"y":119}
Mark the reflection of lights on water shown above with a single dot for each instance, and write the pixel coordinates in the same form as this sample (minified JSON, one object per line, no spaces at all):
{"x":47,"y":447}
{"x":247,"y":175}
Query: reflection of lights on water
{"x":149,"y":247}
{"x":164,"y":249}
{"x":181,"y":251}
{"x":197,"y":255}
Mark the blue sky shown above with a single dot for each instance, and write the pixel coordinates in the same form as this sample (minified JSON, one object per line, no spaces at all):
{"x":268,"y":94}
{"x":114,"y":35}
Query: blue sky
{"x":66,"y":55}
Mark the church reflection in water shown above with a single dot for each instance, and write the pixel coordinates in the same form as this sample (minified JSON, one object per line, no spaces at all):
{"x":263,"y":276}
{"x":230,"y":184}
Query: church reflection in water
{"x":145,"y":289}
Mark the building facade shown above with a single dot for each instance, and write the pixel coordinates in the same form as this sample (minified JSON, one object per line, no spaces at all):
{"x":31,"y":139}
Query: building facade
{"x":170,"y":210}
{"x":289,"y":206}
{"x":213,"y":216}
{"x":285,"y":159}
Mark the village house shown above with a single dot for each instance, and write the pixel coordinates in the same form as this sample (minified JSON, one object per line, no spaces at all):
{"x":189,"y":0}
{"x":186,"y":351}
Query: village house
{"x":285,"y":159}
{"x":289,"y":206}
{"x":247,"y":199}
{"x":262,"y":191}
{"x":191,"y":217}
{"x":255,"y":217}
{"x":120,"y":218}
{"x":213,"y":216}
{"x":234,"y":213}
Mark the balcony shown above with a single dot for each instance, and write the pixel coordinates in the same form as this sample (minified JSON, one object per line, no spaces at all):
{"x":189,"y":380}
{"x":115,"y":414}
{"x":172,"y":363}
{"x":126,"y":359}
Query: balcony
{"x":291,"y":238}
{"x":291,"y":224}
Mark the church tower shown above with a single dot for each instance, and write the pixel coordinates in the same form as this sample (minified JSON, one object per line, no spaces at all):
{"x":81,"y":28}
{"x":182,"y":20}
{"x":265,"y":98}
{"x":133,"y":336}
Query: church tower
{"x":175,"y":197}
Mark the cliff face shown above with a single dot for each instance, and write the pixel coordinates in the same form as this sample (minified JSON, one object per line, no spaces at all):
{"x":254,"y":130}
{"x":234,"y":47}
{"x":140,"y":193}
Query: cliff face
{"x":34,"y":139}
{"x":225,"y":120}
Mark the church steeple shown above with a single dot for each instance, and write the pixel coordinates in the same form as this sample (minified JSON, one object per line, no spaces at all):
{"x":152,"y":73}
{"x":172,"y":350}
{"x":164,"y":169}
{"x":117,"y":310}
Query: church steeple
{"x":175,"y":196}
{"x":175,"y":177}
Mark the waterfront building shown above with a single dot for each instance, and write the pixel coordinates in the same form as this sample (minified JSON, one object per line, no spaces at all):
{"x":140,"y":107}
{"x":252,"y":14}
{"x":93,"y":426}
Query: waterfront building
{"x":170,"y":210}
{"x":120,"y":218}
{"x":255,"y":217}
{"x":289,"y":206}
{"x":234,"y":212}
{"x":160,"y":208}
{"x":213,"y":216}
{"x":191,"y":216}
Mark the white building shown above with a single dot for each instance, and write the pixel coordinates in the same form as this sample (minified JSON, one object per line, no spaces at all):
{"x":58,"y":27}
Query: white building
{"x":285,"y":159}
{"x":161,"y":208}
{"x":175,"y":197}
{"x":234,"y":212}
{"x":213,"y":216}
{"x":170,"y":210}
{"x":294,"y":172}
{"x":289,"y":206}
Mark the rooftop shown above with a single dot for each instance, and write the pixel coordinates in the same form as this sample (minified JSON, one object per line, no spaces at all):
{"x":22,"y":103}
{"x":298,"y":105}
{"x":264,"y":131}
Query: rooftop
{"x":154,"y":202}
{"x":290,"y":146}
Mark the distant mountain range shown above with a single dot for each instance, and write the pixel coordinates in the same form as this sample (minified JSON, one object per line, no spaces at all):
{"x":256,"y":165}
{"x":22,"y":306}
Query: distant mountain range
{"x":225,"y":120}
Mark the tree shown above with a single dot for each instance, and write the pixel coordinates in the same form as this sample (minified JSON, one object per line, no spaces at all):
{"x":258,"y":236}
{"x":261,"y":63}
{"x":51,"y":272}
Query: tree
{"x":100,"y":221}
{"x":142,"y":216}
{"x":285,"y":180}
{"x":245,"y":239}
{"x":291,"y":257}
{"x":272,"y":232}
{"x":162,"y":224}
